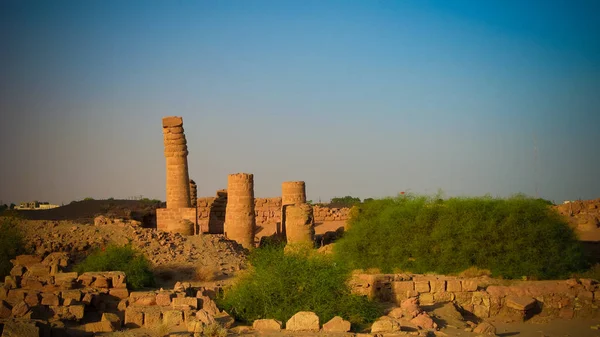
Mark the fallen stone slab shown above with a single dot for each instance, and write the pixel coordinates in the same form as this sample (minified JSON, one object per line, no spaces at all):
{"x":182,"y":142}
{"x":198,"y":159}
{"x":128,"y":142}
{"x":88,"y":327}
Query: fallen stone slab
{"x":266,"y":325}
{"x":385,"y":324}
{"x":522,"y":303}
{"x":337,"y":324}
{"x":20,"y":329}
{"x":303,"y":321}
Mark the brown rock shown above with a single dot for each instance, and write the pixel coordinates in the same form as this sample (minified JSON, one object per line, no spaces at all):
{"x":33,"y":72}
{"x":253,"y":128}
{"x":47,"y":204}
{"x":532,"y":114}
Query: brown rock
{"x":20,"y":309}
{"x":453,"y":286}
{"x":27,"y":260}
{"x":410,"y":307}
{"x":337,"y":324}
{"x":142,"y":298}
{"x":485,"y":328}
{"x":20,"y":329}
{"x":96,"y":327}
{"x":32,"y":299}
{"x":86,"y":279}
{"x":15,"y":296}
{"x":123,"y":304}
{"x":423,"y":321}
{"x":17,"y":270}
{"x":10,"y":282}
{"x":266,"y":325}
{"x":209,"y":305}
{"x":205,"y":317}
{"x":422,"y":286}
{"x":303,"y":321}
{"x":396,"y":313}
{"x":225,"y":320}
{"x":64,"y":278}
{"x":385,"y":324}
{"x":469,"y":285}
{"x":5,"y":310}
{"x":37,"y":269}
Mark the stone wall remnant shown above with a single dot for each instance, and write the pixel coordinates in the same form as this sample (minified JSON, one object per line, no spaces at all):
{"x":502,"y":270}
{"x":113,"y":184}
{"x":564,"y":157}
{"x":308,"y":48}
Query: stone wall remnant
{"x":240,"y":221}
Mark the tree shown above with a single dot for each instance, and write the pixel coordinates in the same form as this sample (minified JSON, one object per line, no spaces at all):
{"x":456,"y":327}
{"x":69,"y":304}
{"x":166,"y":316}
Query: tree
{"x":12,"y":206}
{"x":346,"y":201}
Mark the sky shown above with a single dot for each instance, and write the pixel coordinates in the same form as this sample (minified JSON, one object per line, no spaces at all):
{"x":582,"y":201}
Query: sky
{"x":363,"y":98}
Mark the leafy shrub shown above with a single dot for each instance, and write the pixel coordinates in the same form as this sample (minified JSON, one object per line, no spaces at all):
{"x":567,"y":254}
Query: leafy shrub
{"x":347,"y":201}
{"x":11,"y":244}
{"x":279,"y":285}
{"x":512,"y":237}
{"x":122,"y":258}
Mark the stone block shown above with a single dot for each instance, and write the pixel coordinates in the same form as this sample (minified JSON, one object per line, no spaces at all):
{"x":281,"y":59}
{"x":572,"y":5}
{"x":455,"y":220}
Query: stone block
{"x":85,"y":279}
{"x":152,"y":317}
{"x":101,"y":282}
{"x":173,"y":317}
{"x":205,"y":317}
{"x":96,"y":327}
{"x":426,"y":299}
{"x":38,"y":270}
{"x":164,"y":298}
{"x":422,"y":286}
{"x":225,"y":320}
{"x":77,"y":310}
{"x":185,"y":302}
{"x":453,"y":286}
{"x":443,"y":297}
{"x":142,"y":298}
{"x":65,"y":278}
{"x":134,"y":317}
{"x":32,"y":299}
{"x":485,"y":328}
{"x":437,"y":286}
{"x":50,"y":299}
{"x":113,"y":319}
{"x":17,"y":270}
{"x":73,"y":295}
{"x":120,"y":293}
{"x":20,"y":309}
{"x":20,"y":329}
{"x":27,"y":260}
{"x":303,"y":321}
{"x":336,"y":324}
{"x":172,"y":122}
{"x":481,"y":311}
{"x":266,"y":325}
{"x":469,"y":284}
{"x":10,"y":282}
{"x":15,"y":296}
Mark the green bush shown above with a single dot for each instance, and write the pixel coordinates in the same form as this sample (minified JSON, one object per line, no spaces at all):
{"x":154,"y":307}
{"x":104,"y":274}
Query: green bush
{"x":279,"y":285}
{"x":121,"y":258}
{"x":512,"y":237}
{"x":11,"y":244}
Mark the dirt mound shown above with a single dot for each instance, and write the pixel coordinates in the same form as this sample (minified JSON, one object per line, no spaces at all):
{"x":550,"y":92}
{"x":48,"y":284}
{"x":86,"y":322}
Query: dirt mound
{"x":85,"y":211}
{"x":174,"y":257}
{"x":584,"y":217}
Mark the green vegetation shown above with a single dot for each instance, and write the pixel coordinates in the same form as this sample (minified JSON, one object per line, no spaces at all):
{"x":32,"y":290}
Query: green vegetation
{"x":11,"y":244}
{"x":88,"y":199}
{"x":122,"y":258}
{"x":512,"y":237}
{"x":347,"y":201}
{"x":279,"y":285}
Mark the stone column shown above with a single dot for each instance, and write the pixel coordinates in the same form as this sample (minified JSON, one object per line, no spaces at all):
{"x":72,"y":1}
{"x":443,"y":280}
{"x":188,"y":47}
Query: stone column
{"x":178,"y":184}
{"x":300,"y":227}
{"x":292,"y":192}
{"x":193,"y":194}
{"x":240,"y":220}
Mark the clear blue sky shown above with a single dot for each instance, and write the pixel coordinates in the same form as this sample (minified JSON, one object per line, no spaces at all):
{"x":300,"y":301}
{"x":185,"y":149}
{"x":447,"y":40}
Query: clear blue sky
{"x":366,"y":98}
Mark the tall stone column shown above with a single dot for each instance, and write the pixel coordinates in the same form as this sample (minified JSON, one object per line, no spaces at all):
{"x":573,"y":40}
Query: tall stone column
{"x":193,"y":194}
{"x":240,"y":220}
{"x":292,"y":192}
{"x":178,"y":184}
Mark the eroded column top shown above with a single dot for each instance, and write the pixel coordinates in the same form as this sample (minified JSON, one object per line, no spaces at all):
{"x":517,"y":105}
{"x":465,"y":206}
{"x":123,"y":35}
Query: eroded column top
{"x":172,"y":121}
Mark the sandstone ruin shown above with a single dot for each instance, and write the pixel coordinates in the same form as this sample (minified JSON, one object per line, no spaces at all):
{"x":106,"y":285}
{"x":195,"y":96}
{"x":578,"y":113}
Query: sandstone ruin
{"x":239,"y":217}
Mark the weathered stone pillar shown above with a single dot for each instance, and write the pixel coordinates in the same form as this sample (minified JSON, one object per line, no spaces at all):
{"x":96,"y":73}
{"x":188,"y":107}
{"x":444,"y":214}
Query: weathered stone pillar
{"x":193,"y":194}
{"x":300,"y":226}
{"x":240,"y":220}
{"x":178,"y":185}
{"x":292,"y":192}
